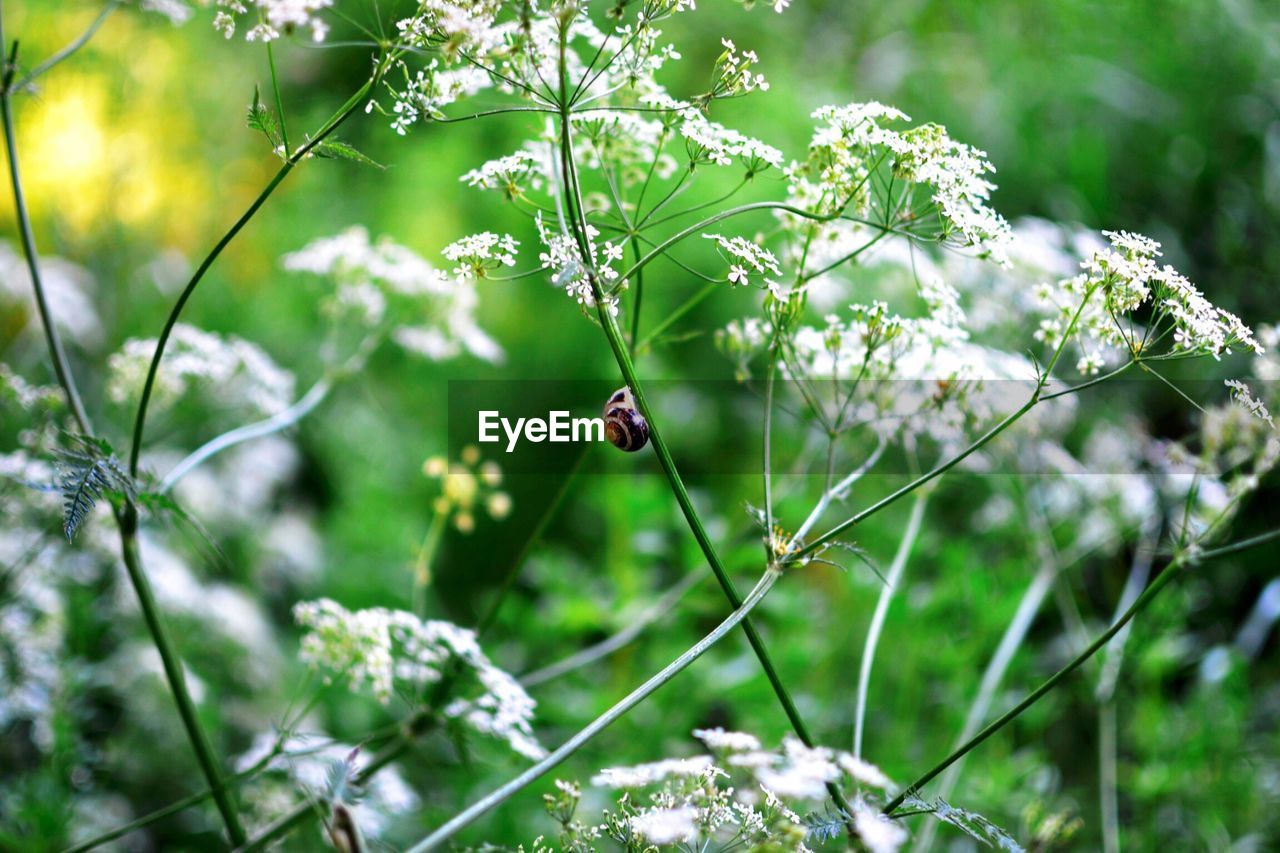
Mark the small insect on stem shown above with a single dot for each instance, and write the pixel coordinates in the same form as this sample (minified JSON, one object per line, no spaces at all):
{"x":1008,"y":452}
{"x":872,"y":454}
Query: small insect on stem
{"x":624,"y":426}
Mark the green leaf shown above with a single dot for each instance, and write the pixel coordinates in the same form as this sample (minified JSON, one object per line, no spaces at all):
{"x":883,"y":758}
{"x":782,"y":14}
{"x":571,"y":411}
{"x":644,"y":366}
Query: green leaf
{"x":333,"y":149}
{"x":262,"y":119}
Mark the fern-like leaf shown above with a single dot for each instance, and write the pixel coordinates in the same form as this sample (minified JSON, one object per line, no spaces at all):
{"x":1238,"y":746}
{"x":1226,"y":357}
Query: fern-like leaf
{"x":90,"y":471}
{"x":826,"y":826}
{"x":970,"y":823}
{"x":263,"y":120}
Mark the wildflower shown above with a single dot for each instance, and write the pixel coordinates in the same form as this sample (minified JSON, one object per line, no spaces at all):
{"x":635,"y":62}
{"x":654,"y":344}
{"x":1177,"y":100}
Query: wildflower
{"x":481,"y":253}
{"x":666,"y":826}
{"x":1241,"y":394}
{"x":386,"y":649}
{"x":508,"y":174}
{"x":277,"y":17}
{"x":746,"y":258}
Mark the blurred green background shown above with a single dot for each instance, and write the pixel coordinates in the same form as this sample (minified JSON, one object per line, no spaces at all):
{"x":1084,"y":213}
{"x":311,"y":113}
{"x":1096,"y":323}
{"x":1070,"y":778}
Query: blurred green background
{"x":1160,"y":117}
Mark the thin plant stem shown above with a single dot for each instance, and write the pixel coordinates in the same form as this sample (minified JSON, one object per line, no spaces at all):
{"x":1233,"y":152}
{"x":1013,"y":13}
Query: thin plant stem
{"x":171,"y":809}
{"x":126,"y":518}
{"x":1188,"y":556}
{"x":61,"y":364}
{"x":332,"y":124}
{"x":300,"y":814}
{"x":892,"y":581}
{"x":422,"y":565}
{"x":268,"y":426}
{"x":71,"y":48}
{"x":1008,"y":421}
{"x":175,"y":674}
{"x":275,"y":87}
{"x":671,"y":319}
{"x":468,"y":816}
{"x":1108,"y":801}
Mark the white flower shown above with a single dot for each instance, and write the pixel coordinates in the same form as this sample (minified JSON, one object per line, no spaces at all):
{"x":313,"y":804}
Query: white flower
{"x":505,"y":173}
{"x":477,"y":254}
{"x":277,"y":16}
{"x":389,"y":648}
{"x":749,"y":257}
{"x":1241,"y":394}
{"x":657,"y":771}
{"x":666,"y":826}
{"x":722,"y":741}
{"x":879,"y":833}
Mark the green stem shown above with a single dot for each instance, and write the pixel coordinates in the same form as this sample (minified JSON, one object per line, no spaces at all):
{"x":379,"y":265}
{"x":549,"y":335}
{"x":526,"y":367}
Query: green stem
{"x":573,"y":744}
{"x":422,"y":566}
{"x":671,"y":319}
{"x":174,"y":673}
{"x":1184,"y":559}
{"x":61,"y":364}
{"x":171,"y":809}
{"x":942,"y":468}
{"x":126,"y":519}
{"x":332,"y":124}
{"x":70,"y":49}
{"x":301,"y":813}
{"x":275,"y":86}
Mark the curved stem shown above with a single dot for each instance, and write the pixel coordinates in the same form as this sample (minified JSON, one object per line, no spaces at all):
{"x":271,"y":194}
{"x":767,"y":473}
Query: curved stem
{"x":491,"y":614}
{"x":332,"y":124}
{"x":670,"y":320}
{"x":277,"y":422}
{"x":71,"y":48}
{"x":573,"y":744}
{"x":892,"y":580}
{"x":176,"y":675}
{"x":61,"y":364}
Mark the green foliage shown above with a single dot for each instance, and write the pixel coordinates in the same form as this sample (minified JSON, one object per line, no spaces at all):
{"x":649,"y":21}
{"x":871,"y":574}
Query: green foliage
{"x":89,"y":471}
{"x":334,"y":149}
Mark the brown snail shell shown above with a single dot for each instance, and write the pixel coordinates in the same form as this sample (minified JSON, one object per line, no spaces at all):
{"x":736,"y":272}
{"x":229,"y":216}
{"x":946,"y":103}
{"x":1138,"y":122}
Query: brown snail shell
{"x":624,"y":426}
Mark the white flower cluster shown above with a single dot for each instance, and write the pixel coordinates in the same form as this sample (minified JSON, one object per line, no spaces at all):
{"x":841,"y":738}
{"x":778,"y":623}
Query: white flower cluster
{"x":734,"y":75}
{"x":626,"y":142}
{"x":710,"y":143}
{"x":433,"y":315}
{"x":745,"y":259}
{"x":478,"y":254}
{"x":310,"y":762}
{"x":1120,"y":278}
{"x":1241,"y":394}
{"x":740,"y":792}
{"x":386,"y":649}
{"x":69,"y":290}
{"x":562,"y":257}
{"x":235,"y":372}
{"x":430,"y":90}
{"x":852,"y":142}
{"x":508,"y":174}
{"x":276,"y":18}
